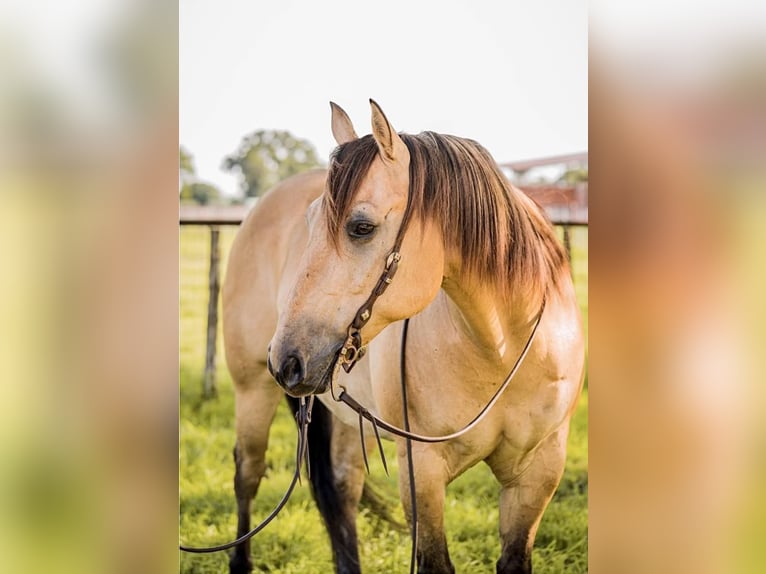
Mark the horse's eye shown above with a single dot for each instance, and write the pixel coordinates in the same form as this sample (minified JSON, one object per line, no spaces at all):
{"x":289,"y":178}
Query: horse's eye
{"x":360,"y":229}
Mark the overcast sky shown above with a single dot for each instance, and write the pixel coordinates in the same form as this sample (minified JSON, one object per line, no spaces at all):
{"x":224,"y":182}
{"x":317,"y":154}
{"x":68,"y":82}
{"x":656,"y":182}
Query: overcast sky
{"x":511,"y":75}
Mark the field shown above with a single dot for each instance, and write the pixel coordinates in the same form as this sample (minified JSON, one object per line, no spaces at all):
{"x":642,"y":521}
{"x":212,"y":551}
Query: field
{"x":296,"y":541}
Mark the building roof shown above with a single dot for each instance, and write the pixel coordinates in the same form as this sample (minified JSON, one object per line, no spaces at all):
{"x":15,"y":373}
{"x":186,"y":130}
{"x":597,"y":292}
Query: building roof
{"x":524,"y":165}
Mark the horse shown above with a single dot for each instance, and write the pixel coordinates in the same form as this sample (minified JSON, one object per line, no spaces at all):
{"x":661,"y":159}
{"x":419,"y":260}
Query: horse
{"x":480,"y":267}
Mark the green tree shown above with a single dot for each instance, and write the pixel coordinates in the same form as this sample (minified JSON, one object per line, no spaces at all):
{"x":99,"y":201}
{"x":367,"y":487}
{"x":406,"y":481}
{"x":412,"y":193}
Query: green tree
{"x":199,"y":192}
{"x":266,"y":157}
{"x":186,"y":164}
{"x":193,"y":190}
{"x":574,"y":176}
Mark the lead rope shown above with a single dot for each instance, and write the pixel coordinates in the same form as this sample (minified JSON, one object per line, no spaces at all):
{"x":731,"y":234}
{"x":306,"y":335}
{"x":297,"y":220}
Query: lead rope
{"x":303,"y":418}
{"x":408,"y":442}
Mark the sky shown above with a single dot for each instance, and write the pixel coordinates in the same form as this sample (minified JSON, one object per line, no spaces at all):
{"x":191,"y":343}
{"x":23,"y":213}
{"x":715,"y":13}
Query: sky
{"x":510,"y":75}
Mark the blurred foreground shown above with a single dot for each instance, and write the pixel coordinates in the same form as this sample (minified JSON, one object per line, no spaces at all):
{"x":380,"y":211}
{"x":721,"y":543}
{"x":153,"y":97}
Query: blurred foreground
{"x":88,"y":289}
{"x":677,"y":330}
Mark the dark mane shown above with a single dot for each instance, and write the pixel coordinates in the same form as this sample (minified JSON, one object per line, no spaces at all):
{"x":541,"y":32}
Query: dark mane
{"x":503,"y":237}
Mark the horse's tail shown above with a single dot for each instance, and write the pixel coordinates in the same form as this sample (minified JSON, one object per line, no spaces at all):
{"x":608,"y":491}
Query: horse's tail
{"x":341,"y":526}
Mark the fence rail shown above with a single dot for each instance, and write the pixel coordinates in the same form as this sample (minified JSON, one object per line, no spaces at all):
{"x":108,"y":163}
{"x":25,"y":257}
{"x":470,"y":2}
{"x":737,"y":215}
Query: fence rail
{"x":216,"y":217}
{"x":235,"y":214}
{"x":212,"y":214}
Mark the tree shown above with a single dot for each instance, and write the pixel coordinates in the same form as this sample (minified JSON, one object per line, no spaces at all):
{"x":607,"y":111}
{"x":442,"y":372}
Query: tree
{"x":266,"y":157}
{"x":186,"y":164}
{"x":193,"y":190}
{"x":575,"y":175}
{"x":199,"y":192}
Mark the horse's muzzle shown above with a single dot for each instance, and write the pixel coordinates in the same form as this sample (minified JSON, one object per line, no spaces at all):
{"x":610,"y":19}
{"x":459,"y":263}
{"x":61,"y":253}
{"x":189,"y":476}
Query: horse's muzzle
{"x":299,"y":379}
{"x":290,"y":373}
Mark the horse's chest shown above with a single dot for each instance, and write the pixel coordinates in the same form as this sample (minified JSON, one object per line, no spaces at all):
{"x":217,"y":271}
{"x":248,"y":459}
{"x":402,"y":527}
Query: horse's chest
{"x":447,"y":390}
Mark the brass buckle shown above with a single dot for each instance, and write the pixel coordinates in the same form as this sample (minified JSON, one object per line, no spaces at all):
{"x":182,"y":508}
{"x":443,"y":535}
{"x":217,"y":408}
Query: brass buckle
{"x":352,"y":350}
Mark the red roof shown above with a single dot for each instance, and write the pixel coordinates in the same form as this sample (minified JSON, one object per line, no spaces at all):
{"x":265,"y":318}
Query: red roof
{"x":524,"y":165}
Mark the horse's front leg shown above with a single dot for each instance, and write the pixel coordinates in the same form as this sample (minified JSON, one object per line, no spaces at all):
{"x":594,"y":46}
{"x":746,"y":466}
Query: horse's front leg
{"x":431,"y":477}
{"x":257,"y":398}
{"x":525,"y":494}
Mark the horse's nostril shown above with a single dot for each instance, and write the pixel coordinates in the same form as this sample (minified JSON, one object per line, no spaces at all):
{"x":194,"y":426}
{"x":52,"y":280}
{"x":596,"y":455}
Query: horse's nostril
{"x":291,"y":371}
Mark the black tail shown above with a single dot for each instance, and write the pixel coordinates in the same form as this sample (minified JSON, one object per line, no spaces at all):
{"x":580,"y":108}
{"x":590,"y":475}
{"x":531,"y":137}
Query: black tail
{"x":339,"y":516}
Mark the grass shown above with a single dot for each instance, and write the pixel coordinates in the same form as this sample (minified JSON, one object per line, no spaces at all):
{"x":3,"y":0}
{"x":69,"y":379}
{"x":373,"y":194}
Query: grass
{"x":296,"y":541}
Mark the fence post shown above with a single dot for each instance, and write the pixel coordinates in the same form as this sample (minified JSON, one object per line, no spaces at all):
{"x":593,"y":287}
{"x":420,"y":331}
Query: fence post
{"x":209,"y":388}
{"x":567,"y":242}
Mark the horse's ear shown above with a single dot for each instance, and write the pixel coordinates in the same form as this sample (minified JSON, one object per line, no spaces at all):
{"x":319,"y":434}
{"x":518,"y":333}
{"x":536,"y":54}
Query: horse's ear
{"x":390,"y":145}
{"x":342,"y":129}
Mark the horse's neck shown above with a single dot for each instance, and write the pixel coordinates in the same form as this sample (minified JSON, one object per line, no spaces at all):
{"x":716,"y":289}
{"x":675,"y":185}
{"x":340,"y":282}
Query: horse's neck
{"x":498,"y":328}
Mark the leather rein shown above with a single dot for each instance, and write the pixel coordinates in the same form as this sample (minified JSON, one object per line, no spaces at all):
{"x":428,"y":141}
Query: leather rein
{"x":302,"y":418}
{"x":351,"y":352}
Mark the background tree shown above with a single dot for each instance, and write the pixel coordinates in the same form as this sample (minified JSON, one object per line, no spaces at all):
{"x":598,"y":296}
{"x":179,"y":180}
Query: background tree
{"x":574,"y":176}
{"x":200,"y":192}
{"x":186,"y":164}
{"x":193,"y":190}
{"x":266,"y":157}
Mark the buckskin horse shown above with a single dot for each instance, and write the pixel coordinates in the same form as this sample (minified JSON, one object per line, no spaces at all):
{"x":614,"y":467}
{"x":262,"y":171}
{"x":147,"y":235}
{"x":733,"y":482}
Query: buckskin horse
{"x":479,"y":270}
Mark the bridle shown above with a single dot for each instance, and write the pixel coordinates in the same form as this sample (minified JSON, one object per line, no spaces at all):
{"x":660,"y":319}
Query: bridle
{"x":350,"y":353}
{"x":353,"y":350}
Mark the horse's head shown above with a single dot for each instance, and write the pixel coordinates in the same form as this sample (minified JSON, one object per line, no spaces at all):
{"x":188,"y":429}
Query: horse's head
{"x":353,"y":228}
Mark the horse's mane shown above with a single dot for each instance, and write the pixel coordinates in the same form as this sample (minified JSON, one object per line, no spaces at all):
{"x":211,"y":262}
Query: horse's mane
{"x":504,"y":238}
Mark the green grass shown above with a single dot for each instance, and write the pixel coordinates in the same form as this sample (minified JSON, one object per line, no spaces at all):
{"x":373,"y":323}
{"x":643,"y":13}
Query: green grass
{"x":296,"y":541}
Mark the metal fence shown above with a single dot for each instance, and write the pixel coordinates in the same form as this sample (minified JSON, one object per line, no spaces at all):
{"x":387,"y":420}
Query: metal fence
{"x":206,"y":235}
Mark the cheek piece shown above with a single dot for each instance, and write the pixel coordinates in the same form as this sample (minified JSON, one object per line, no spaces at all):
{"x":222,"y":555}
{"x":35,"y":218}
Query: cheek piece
{"x":352,"y":349}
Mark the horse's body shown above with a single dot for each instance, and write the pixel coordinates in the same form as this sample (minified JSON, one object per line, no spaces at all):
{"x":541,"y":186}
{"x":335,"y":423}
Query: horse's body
{"x":293,"y":288}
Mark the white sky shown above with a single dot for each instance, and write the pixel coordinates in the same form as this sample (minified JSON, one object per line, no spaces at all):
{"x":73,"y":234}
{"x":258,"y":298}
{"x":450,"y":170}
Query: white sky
{"x":510,"y":74}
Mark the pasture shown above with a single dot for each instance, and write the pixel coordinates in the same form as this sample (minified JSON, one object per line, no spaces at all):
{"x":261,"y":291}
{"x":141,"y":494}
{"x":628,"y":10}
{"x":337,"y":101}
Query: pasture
{"x":296,"y":541}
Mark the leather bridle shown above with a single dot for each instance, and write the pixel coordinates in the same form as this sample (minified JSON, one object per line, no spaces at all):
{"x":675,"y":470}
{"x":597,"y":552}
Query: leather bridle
{"x":353,"y":349}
